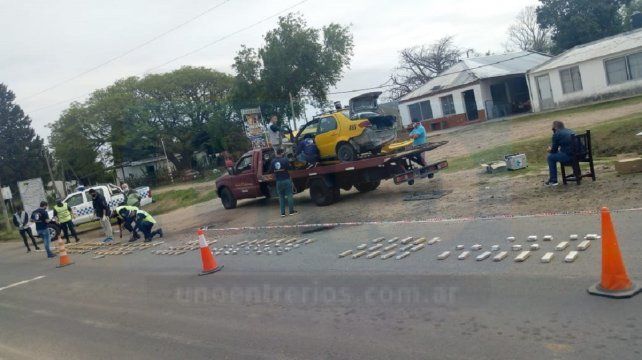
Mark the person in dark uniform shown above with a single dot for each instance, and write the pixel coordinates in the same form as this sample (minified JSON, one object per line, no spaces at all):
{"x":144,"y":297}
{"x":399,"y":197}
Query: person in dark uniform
{"x":560,"y":151}
{"x":41,"y":217}
{"x":280,"y":166}
{"x":21,"y":221}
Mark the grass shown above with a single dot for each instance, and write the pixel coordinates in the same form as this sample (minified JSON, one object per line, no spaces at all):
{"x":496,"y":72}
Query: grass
{"x":608,"y":139}
{"x":177,"y":199}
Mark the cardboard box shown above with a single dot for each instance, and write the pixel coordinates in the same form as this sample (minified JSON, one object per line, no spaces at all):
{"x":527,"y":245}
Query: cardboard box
{"x":629,"y":166}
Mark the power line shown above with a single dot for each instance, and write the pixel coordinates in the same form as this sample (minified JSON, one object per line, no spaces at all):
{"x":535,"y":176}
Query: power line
{"x":186,"y":54}
{"x":128,"y":51}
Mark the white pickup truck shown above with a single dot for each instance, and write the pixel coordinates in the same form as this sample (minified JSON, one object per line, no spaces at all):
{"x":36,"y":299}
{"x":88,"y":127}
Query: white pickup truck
{"x":83,"y":209}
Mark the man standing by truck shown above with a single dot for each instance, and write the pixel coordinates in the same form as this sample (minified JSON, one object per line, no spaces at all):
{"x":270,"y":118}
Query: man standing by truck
{"x":418,"y":136}
{"x":21,"y":221}
{"x":62,"y":211}
{"x":280,"y":166}
{"x":275,"y":135}
{"x":101,"y":209}
{"x":41,"y":217}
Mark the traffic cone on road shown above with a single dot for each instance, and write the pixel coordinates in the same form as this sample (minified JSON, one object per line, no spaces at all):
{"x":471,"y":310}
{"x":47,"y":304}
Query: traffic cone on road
{"x":209,"y":262}
{"x":62,"y":254}
{"x":615,"y":282}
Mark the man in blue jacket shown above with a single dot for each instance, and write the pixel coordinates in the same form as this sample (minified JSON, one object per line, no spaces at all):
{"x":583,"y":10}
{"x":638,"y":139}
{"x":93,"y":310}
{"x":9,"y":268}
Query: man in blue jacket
{"x":560,"y":150}
{"x":41,"y":217}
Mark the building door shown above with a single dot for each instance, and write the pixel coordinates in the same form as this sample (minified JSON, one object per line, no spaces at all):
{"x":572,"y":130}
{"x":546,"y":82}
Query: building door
{"x":545,"y":92}
{"x":471,"y":105}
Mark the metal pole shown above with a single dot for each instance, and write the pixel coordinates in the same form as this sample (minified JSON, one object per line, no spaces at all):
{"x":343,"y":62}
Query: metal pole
{"x":7,"y":223}
{"x":53,"y":181}
{"x":169,"y":169}
{"x":292,"y":109}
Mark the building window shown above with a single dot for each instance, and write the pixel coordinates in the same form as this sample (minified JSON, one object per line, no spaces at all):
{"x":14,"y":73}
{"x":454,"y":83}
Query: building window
{"x":615,"y":70}
{"x":635,"y":66}
{"x":447,"y":105}
{"x":420,"y":111}
{"x":571,"y":80}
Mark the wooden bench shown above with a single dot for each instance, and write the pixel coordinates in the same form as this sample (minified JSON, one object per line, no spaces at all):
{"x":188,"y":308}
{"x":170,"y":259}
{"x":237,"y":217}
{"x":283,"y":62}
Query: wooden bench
{"x":582,"y":153}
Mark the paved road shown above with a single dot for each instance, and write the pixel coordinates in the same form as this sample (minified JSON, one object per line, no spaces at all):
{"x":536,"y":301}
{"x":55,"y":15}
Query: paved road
{"x":309,"y":304}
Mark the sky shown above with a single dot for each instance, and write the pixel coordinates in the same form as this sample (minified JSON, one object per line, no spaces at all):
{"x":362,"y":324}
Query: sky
{"x":56,"y":52}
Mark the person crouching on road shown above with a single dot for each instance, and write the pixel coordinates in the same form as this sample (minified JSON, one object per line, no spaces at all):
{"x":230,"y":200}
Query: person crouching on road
{"x":418,"y":136}
{"x":560,"y":151}
{"x":122,"y":216}
{"x":41,"y":217}
{"x":145,"y":222}
{"x":21,"y":221}
{"x":280,"y":166}
{"x":102,"y":211}
{"x":63,"y":213}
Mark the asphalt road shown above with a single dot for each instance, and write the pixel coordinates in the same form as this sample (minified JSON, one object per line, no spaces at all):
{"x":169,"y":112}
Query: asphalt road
{"x":308,"y":303}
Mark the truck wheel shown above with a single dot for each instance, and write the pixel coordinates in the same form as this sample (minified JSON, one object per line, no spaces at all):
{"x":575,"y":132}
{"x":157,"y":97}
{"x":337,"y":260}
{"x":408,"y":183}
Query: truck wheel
{"x":367,"y":186}
{"x":321,"y":194}
{"x":346,"y":152}
{"x":227,"y":198}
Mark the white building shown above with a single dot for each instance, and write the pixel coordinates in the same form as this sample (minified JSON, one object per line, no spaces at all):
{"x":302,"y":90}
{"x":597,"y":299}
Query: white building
{"x":143,"y":168}
{"x":603,"y":69}
{"x":473,"y":90}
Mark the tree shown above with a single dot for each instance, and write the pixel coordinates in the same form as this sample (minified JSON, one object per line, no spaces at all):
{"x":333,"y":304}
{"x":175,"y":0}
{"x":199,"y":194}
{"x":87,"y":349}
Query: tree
{"x":420,"y":64}
{"x":526,"y":34}
{"x":296,"y":60}
{"x":21,"y":150}
{"x":580,"y":21}
{"x":628,"y":11}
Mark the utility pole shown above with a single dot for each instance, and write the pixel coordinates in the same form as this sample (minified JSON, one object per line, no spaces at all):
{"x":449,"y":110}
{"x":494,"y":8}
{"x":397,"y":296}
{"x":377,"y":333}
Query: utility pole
{"x":169,"y":169}
{"x":7,"y":223}
{"x":292,"y":109}
{"x":53,"y":181}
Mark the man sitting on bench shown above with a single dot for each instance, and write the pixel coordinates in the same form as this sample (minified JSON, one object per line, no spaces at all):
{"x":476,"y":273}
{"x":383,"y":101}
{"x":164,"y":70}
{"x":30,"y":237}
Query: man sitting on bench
{"x":560,"y":151}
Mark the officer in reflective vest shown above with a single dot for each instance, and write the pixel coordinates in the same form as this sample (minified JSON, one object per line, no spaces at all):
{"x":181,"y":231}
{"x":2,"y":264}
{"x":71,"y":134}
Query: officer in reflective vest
{"x":65,"y":216}
{"x":145,"y":222}
{"x":122,"y":216}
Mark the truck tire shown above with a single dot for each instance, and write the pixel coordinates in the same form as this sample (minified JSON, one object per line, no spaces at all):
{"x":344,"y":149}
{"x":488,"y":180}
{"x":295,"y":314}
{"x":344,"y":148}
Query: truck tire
{"x":367,"y":186}
{"x":346,"y":152}
{"x":227,"y":198}
{"x":322,"y":194}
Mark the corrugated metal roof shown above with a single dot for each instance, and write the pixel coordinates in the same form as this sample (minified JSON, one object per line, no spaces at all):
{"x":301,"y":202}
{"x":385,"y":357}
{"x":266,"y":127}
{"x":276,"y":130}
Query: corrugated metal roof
{"x":468,"y":71}
{"x":594,"y":50}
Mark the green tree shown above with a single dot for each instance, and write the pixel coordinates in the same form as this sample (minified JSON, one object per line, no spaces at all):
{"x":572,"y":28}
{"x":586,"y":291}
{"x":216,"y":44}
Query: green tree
{"x":296,"y":60}
{"x":580,"y":21}
{"x":635,"y":5}
{"x":21,"y":150}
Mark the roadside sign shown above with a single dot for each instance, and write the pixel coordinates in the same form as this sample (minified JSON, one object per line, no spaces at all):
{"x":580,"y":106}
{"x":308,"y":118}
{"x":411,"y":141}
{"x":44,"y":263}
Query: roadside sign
{"x":254,"y":127}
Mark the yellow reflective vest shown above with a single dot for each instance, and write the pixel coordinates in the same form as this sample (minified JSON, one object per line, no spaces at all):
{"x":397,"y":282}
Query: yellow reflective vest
{"x":146,"y":216}
{"x":63,"y":212}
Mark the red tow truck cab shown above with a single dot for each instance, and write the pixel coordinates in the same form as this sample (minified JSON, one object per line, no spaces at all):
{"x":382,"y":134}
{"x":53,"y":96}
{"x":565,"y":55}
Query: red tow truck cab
{"x":249,"y":177}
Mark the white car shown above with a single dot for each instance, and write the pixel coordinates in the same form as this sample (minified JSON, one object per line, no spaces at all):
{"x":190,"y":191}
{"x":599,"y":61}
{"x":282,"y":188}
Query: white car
{"x":81,"y":205}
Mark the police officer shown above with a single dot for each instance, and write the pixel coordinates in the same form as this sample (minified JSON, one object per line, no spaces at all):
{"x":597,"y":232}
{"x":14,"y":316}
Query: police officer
{"x":145,"y":222}
{"x":122,"y":215}
{"x":63,"y":213}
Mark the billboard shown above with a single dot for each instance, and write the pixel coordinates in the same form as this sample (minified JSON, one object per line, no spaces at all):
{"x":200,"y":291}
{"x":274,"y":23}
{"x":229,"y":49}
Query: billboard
{"x":254,"y":129}
{"x":32,"y":192}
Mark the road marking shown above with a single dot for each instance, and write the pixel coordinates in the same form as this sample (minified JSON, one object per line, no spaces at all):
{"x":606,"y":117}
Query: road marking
{"x":547,"y":257}
{"x":523,"y":256}
{"x":483,"y":256}
{"x":463,"y":255}
{"x":443,"y":255}
{"x":500,"y":256}
{"x":22,"y":282}
{"x":583,"y":245}
{"x":571,"y":256}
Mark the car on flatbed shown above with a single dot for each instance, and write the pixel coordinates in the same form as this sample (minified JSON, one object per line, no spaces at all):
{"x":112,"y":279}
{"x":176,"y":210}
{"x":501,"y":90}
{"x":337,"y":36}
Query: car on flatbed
{"x":250,"y":177}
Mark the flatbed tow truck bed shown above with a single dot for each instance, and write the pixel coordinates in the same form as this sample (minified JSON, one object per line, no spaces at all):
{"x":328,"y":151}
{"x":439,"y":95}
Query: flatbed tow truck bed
{"x":327,"y":179}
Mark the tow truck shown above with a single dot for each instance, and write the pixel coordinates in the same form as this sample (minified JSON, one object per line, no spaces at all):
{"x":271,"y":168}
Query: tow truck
{"x":250,"y":177}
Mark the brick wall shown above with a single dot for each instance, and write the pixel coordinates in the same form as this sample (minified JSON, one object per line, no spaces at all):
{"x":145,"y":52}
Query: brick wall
{"x":452,"y":121}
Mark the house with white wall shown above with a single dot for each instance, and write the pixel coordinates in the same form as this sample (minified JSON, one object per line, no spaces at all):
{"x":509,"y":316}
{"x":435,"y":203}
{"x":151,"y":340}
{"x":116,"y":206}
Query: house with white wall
{"x":599,"y":70}
{"x":473,"y":90}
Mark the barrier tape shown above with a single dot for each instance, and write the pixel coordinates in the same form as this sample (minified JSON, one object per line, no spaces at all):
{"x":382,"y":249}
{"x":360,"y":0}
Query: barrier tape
{"x":424,"y":221}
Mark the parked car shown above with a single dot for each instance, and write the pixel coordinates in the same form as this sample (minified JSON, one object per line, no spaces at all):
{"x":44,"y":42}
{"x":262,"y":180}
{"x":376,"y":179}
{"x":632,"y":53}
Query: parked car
{"x":83,"y":209}
{"x":346,"y":133}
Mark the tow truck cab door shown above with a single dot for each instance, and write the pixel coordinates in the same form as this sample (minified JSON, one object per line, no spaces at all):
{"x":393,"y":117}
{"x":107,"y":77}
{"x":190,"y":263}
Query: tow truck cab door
{"x":245,"y":184}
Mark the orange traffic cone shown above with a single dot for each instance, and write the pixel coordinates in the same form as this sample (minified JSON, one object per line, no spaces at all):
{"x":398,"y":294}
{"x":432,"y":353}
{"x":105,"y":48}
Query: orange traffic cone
{"x":615,"y":282}
{"x":62,"y":254}
{"x":209,"y":262}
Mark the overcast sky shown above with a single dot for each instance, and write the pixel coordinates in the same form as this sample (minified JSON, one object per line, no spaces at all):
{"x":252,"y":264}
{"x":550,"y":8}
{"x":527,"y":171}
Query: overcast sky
{"x":47,"y":42}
